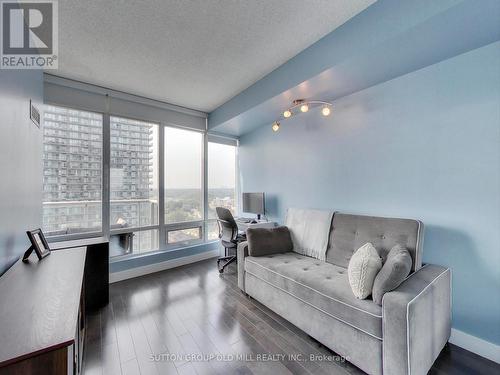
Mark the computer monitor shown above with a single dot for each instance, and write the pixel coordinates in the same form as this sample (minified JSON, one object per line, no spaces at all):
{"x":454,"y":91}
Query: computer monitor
{"x":254,"y":203}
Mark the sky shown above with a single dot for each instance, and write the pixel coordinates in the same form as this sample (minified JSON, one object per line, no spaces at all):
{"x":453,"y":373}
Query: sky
{"x":183,"y":168}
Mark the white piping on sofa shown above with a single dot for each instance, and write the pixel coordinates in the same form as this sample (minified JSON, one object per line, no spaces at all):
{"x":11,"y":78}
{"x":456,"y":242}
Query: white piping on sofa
{"x":408,"y":310}
{"x":383,"y":320}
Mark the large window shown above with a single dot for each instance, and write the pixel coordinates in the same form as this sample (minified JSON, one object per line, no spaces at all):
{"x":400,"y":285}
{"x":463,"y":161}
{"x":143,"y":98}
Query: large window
{"x":142,"y":183}
{"x":133,"y":184}
{"x":221,"y":183}
{"x":183,"y":187}
{"x":72,"y":171}
{"x":183,"y":175}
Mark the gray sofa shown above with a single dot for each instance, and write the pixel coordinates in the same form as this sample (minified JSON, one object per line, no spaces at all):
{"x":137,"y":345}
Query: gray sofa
{"x":403,"y":336}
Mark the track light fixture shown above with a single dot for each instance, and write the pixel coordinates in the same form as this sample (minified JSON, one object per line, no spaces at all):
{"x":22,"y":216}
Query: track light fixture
{"x":304,"y":106}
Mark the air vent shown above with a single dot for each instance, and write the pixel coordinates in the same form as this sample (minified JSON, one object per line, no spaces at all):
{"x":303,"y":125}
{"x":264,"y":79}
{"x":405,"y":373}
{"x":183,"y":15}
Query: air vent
{"x":34,"y":114}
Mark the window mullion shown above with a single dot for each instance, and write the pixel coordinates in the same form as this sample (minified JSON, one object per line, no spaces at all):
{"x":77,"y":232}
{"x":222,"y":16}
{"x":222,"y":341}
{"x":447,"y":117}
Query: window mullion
{"x":106,"y":145}
{"x":161,"y":187}
{"x":205,"y":183}
{"x":237,"y":186}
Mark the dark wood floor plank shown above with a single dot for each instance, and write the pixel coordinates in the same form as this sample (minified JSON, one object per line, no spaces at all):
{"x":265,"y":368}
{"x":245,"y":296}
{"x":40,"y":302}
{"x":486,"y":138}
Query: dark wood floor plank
{"x":111,"y":359}
{"x":219,"y":337}
{"x":253,"y":348}
{"x":285,"y":345}
{"x":159,"y":330}
{"x":454,"y":359}
{"x":207,"y":346}
{"x":157,"y":345}
{"x":131,"y":367}
{"x":202,"y":340}
{"x":93,"y":328}
{"x":264,"y":340}
{"x":93,"y":345}
{"x":108,"y":332}
{"x":186,"y":369}
{"x":140,"y":341}
{"x":123,"y":337}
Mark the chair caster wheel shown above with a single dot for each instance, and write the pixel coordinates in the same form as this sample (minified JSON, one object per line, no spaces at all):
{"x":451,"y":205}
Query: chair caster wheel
{"x":221,"y":270}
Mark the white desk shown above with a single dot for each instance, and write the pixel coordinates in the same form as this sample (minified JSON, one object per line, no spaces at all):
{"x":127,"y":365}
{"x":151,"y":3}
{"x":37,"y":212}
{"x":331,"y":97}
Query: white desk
{"x":261,"y":224}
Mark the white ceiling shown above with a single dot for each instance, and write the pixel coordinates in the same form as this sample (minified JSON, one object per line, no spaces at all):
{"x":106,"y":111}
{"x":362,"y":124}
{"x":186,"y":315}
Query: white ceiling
{"x":193,"y":53}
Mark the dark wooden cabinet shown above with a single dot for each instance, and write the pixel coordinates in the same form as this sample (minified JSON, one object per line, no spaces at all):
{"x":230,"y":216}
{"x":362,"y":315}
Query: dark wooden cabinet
{"x":42,"y":315}
{"x":96,"y":269}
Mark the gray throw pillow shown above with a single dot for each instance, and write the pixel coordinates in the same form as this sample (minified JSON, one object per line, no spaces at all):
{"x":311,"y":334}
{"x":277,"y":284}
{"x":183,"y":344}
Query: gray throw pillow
{"x":267,"y":241}
{"x":395,"y":269}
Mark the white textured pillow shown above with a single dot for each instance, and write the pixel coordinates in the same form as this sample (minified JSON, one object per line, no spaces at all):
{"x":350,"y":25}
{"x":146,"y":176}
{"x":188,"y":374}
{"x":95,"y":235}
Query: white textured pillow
{"x":362,"y":270}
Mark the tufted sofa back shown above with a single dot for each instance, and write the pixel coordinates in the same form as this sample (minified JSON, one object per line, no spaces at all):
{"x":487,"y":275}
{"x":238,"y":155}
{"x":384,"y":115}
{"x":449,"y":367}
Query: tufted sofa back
{"x":350,"y":232}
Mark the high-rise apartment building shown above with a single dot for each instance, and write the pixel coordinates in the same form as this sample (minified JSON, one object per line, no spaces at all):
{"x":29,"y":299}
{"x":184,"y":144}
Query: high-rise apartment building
{"x":72,"y":170}
{"x":73,"y":156}
{"x":133,"y":155}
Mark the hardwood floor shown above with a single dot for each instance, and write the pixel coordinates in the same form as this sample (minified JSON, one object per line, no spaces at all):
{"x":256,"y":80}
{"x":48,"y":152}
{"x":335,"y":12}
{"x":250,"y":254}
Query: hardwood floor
{"x":192,"y":312}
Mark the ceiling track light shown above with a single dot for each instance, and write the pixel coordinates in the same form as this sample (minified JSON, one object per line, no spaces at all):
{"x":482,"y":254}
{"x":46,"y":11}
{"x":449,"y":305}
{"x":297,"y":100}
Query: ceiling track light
{"x":303,"y":106}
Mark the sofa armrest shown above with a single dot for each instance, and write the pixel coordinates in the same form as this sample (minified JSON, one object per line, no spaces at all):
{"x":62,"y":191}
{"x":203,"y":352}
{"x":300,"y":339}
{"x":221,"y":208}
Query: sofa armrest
{"x":242,"y":252}
{"x":416,"y":321}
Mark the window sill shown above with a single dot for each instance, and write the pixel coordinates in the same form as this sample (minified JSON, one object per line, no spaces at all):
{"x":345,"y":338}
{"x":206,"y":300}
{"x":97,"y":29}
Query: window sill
{"x":141,"y":264}
{"x":127,"y":257}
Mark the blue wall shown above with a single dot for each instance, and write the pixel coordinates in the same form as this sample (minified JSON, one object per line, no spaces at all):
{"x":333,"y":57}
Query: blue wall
{"x":20,"y":162}
{"x":425,"y":145}
{"x":388,"y":39}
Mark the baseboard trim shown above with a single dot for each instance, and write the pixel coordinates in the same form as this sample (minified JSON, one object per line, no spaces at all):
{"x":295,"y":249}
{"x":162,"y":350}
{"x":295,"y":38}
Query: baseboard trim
{"x":476,"y":345}
{"x":157,"y":267}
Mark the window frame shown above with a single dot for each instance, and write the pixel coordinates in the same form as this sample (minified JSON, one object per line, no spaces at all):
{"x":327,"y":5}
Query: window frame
{"x":162,"y":227}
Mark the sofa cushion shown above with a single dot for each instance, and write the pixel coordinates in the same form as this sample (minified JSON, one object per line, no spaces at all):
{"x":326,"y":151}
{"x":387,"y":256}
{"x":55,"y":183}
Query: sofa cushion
{"x":363,"y":268}
{"x":350,"y":232}
{"x":394,"y":271}
{"x":266,"y":241}
{"x":321,"y":285}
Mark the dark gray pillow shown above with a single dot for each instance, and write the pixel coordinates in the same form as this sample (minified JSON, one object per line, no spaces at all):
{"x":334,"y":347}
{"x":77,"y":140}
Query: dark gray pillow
{"x":395,"y":269}
{"x":266,"y":241}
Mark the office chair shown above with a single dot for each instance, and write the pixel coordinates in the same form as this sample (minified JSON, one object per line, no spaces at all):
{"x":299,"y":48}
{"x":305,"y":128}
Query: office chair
{"x":228,"y":235}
